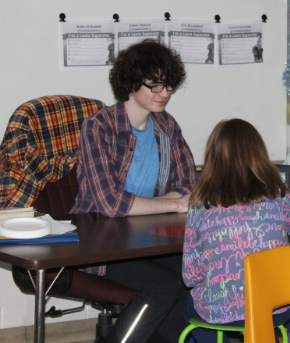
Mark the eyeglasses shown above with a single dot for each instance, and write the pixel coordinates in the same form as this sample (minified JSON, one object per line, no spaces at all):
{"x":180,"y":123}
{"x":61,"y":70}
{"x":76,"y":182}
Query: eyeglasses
{"x":158,"y":88}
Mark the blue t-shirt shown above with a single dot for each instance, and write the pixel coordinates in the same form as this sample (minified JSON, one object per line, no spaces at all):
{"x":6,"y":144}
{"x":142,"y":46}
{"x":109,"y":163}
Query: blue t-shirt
{"x":143,"y":172}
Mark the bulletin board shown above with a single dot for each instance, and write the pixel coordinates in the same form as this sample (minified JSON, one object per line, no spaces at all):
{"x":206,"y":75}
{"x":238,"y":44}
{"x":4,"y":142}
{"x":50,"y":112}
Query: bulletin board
{"x":30,"y":65}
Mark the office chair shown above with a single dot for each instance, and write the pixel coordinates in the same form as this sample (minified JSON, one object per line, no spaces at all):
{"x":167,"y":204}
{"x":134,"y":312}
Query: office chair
{"x":37,"y":168}
{"x":266,"y":288}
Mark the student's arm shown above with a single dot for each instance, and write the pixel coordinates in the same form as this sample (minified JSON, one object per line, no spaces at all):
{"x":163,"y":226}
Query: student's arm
{"x":163,"y":204}
{"x":171,"y":195}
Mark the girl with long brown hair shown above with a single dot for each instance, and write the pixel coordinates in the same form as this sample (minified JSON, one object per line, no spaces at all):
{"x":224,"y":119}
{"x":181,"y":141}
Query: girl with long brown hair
{"x":239,"y":206}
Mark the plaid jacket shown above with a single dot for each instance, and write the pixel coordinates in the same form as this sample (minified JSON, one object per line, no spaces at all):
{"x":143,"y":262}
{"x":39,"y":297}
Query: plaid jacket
{"x":40,"y":145}
{"x":105,"y":154}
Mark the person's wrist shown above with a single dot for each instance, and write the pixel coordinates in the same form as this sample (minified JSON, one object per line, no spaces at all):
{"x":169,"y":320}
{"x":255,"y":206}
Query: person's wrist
{"x":177,"y":205}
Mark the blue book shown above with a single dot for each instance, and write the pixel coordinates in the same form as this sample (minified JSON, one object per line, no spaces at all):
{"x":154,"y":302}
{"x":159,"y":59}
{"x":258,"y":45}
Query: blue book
{"x":61,"y":238}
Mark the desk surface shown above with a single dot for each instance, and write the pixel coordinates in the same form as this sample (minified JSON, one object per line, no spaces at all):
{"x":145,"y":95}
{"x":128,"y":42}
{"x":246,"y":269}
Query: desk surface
{"x":101,"y":239}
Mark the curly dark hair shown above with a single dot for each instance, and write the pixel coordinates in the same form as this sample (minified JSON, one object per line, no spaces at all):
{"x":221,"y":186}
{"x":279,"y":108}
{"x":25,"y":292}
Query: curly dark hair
{"x":146,"y":60}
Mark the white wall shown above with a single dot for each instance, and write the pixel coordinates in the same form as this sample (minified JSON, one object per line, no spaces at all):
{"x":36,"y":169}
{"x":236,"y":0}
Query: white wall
{"x":29,"y":68}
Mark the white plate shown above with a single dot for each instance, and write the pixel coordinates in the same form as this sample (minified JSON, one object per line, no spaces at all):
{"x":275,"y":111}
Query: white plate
{"x":58,"y":227}
{"x":24,"y":228}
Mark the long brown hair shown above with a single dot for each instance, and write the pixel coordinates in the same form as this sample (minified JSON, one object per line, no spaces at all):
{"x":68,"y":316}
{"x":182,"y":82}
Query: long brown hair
{"x":237,"y":169}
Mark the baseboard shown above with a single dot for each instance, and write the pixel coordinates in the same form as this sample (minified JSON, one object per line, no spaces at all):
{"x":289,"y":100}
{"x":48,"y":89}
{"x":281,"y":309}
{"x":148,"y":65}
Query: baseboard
{"x":64,"y":332}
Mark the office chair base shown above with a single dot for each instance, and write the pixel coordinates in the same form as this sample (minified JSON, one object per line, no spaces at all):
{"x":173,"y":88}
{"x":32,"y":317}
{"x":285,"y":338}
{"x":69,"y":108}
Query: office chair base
{"x":114,"y":309}
{"x":54,"y":313}
{"x":104,"y":325}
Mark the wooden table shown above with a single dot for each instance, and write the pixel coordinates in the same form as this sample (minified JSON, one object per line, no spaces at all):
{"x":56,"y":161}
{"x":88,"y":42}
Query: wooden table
{"x":101,"y":239}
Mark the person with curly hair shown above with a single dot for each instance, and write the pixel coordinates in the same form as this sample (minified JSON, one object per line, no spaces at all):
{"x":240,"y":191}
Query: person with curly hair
{"x":133,"y":160}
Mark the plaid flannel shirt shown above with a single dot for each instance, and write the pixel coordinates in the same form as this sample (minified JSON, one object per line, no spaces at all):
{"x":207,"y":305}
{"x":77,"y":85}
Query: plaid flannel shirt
{"x":40,"y":145}
{"x":105,"y":153}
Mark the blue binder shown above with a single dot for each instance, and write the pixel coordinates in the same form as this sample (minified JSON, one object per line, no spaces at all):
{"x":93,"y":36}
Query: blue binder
{"x":63,"y":238}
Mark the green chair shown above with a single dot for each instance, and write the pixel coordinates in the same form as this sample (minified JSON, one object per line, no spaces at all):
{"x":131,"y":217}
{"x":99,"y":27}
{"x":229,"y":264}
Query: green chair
{"x":197,"y":323}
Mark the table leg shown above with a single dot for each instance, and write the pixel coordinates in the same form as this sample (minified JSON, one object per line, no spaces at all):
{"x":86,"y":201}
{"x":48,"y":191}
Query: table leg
{"x":39,"y":307}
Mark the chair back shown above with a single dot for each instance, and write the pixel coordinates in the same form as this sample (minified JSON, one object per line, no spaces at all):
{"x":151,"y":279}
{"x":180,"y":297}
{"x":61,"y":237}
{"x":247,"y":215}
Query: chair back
{"x":267,"y":287}
{"x":37,"y":167}
{"x":57,"y":197}
{"x":40,"y":146}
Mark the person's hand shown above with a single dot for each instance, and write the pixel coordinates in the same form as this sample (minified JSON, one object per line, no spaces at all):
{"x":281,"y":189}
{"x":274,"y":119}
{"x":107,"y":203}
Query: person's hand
{"x":171,"y":202}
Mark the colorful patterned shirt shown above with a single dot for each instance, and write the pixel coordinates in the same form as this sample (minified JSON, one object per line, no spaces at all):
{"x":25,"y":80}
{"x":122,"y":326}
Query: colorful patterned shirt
{"x":216,"y":242}
{"x":106,"y":150}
